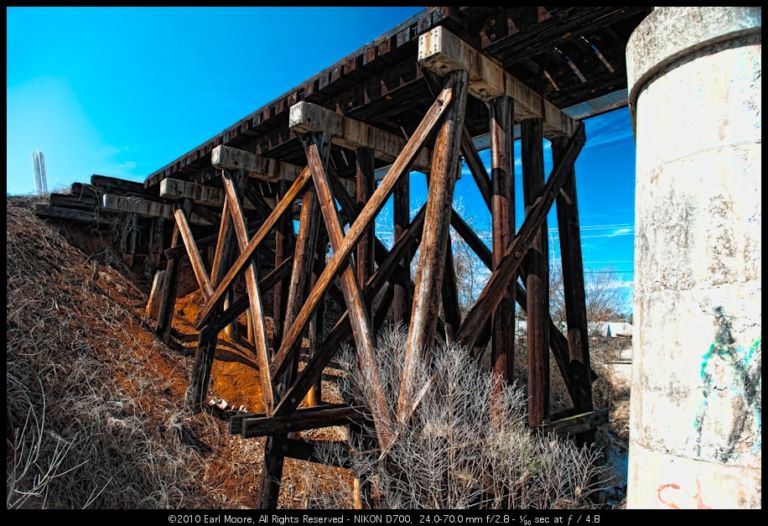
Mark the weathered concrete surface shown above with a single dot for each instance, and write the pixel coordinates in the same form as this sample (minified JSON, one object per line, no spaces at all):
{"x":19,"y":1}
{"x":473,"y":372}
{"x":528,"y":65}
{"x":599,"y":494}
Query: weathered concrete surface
{"x":695,"y":417}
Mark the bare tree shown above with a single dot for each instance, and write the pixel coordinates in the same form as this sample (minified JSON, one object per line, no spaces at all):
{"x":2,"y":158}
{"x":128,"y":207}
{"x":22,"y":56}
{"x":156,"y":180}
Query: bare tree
{"x":604,"y":295}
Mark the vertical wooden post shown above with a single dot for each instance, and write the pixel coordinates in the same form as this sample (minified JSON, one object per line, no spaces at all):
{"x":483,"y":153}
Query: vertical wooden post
{"x":450,"y":295}
{"x":316,"y":332}
{"x":503,"y":225}
{"x":229,"y":330}
{"x":156,"y":232}
{"x":537,"y":280}
{"x":154,"y":294}
{"x":272,"y":472}
{"x":209,"y":335}
{"x":133,"y":239}
{"x":573,"y":284}
{"x":283,"y":235}
{"x":233,"y":187}
{"x":168,"y":297}
{"x":364,"y":186}
{"x":429,"y":274}
{"x":249,"y":329}
{"x":401,"y":303}
{"x":359,"y":320}
{"x":303,"y":258}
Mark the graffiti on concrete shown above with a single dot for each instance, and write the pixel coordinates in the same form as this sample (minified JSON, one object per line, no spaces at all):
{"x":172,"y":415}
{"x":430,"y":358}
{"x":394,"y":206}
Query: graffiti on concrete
{"x":673,"y":496}
{"x":727,"y":367}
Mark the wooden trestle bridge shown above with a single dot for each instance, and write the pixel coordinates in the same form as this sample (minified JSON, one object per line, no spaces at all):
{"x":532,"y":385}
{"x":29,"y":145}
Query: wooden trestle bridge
{"x":431,"y":92}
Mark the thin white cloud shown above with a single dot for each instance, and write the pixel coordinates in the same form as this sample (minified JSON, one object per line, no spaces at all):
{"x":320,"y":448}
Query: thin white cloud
{"x":609,"y":128}
{"x":622,"y":232}
{"x":620,"y":284}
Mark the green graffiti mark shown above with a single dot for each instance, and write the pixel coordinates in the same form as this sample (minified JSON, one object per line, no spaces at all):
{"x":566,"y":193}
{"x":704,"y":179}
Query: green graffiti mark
{"x":747,"y":378}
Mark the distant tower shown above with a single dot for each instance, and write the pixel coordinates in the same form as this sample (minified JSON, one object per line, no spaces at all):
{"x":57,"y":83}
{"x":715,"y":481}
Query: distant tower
{"x":38,"y":162}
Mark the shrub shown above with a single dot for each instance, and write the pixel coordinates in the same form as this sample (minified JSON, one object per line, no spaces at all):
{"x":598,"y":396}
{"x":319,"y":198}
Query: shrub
{"x":463,"y":448}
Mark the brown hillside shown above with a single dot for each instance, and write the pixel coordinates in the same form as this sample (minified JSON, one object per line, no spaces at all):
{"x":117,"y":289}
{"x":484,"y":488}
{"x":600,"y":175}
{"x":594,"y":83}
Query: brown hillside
{"x":95,"y":401}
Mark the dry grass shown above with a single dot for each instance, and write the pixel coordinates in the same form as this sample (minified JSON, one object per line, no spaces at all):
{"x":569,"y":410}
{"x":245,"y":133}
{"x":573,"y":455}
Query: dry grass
{"x":461,"y":450}
{"x":94,"y":410}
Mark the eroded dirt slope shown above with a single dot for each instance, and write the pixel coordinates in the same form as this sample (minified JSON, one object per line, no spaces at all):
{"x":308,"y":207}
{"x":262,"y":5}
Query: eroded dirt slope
{"x":95,"y":401}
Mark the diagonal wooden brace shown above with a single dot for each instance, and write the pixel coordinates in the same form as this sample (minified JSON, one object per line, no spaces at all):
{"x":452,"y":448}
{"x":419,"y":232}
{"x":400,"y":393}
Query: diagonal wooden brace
{"x":506,"y":270}
{"x":405,"y":245}
{"x":429,"y":274}
{"x":194,"y":254}
{"x":361,"y":224}
{"x":361,"y":326}
{"x":247,"y":253}
{"x":254,"y":296}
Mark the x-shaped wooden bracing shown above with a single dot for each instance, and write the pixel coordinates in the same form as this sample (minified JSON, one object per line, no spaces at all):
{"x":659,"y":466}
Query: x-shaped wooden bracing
{"x":430,"y":224}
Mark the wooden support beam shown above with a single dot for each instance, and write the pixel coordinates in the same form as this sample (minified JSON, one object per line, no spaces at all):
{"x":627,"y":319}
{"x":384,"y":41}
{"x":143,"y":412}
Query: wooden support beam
{"x":152,"y":303}
{"x":401,"y":301}
{"x":225,"y":317}
{"x":507,"y":269}
{"x":200,"y":377}
{"x":450,"y":296}
{"x":429,"y":273}
{"x":236,"y":420}
{"x":245,"y":256}
{"x":573,"y":285}
{"x":168,"y":296}
{"x":222,"y":242}
{"x":199,"y":193}
{"x":352,"y":134}
{"x":143,"y":207}
{"x":558,"y":343}
{"x":70,"y":214}
{"x":342,"y":329}
{"x":442,"y":52}
{"x":254,"y":294}
{"x":156,"y":235}
{"x":317,"y":148}
{"x":374,"y":205}
{"x":254,"y":196}
{"x":316,"y":325}
{"x":300,"y":421}
{"x":121,"y":186}
{"x":537,"y":278}
{"x":87,"y":202}
{"x":201,"y":369}
{"x":211,"y":241}
{"x":194,"y":254}
{"x":476,"y":167}
{"x":364,"y":187}
{"x":503,"y":227}
{"x":577,"y":424}
{"x":303,"y":259}
{"x":283,"y":238}
{"x":223,"y":255}
{"x":258,"y":167}
{"x":133,"y":238}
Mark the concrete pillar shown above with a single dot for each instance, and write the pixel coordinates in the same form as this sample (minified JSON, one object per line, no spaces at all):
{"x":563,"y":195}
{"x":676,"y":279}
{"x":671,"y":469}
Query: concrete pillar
{"x":694,"y":77}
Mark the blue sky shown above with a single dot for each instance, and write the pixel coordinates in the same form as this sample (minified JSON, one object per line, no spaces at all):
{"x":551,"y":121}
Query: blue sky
{"x":124,"y":91}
